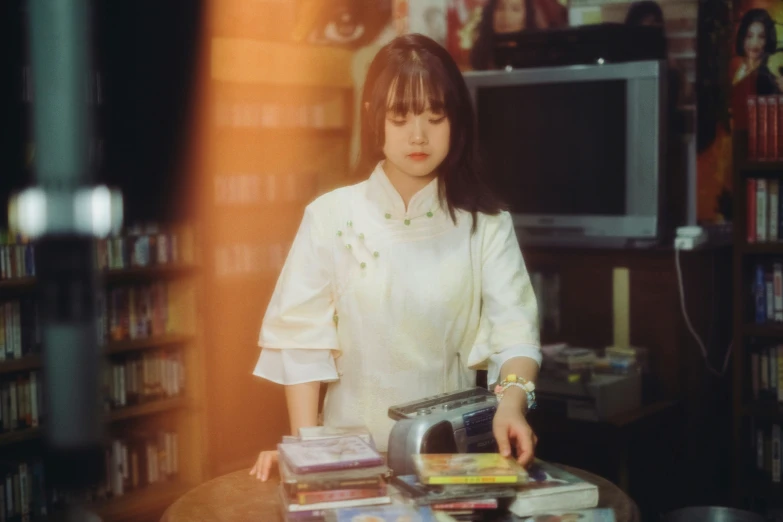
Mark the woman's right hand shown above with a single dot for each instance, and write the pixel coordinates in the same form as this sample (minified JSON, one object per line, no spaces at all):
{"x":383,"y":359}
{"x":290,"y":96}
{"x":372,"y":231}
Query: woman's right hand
{"x":264,"y":463}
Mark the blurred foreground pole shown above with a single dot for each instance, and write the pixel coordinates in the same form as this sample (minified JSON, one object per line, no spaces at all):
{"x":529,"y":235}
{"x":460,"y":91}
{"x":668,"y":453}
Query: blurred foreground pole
{"x":63,"y":212}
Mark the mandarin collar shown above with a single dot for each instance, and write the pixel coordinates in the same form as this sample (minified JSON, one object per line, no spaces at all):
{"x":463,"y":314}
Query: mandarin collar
{"x":385,"y":197}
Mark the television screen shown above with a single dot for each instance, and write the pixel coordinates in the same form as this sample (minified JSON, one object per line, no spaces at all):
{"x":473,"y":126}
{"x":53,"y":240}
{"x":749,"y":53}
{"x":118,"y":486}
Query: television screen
{"x":556,"y":148}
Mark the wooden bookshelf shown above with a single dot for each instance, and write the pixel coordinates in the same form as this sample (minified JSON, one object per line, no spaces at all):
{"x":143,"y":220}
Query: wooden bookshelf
{"x":35,"y":362}
{"x":113,"y":276}
{"x":148,"y":273}
{"x":122,"y":414}
{"x":243,"y":60}
{"x":763,"y":330}
{"x":21,"y":283}
{"x":150,"y":343}
{"x":763,"y":408}
{"x":13,"y":437}
{"x":291,"y":132}
{"x":149,"y":408}
{"x":748,"y":488}
{"x":26,"y":363}
{"x":762,"y":248}
{"x":750,"y":168}
{"x":183,"y":414}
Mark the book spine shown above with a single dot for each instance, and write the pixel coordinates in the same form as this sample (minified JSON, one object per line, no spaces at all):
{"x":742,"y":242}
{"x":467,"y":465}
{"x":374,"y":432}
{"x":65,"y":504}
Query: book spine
{"x":777,"y":279}
{"x":773,"y":188}
{"x":315,"y":497}
{"x":754,"y":368}
{"x":766,"y":366}
{"x":769,"y":293}
{"x":334,"y":466}
{"x":773,"y":372}
{"x":467,"y":504}
{"x":752,"y":129}
{"x":762,"y":140}
{"x":772,"y":127}
{"x":761,"y":210}
{"x":758,"y":293}
{"x":329,"y":484}
{"x":775,"y":464}
{"x":780,"y":372}
{"x":479,"y":479}
{"x":780,"y":127}
{"x":750,"y":190}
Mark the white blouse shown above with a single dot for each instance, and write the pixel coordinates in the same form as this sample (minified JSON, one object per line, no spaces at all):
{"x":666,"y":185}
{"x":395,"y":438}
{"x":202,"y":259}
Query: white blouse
{"x":390,"y":304}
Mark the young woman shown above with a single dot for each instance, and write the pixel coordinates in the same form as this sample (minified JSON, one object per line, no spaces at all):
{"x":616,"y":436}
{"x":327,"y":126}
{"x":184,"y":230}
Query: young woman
{"x":401,"y":286}
{"x":756,"y":41}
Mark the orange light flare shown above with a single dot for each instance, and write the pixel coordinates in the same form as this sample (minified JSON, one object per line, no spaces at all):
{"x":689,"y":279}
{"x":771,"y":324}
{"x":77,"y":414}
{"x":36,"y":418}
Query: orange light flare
{"x":270,"y":132}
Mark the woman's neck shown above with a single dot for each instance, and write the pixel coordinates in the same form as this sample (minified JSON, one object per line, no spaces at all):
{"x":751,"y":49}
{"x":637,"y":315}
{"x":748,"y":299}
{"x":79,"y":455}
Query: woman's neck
{"x":406,"y":185}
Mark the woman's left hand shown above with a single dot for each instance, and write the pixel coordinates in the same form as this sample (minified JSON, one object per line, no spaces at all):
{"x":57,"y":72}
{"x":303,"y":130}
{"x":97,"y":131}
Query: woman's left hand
{"x":511,"y":428}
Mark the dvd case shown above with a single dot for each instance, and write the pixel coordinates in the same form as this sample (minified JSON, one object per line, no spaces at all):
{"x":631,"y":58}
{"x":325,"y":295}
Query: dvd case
{"x":392,"y":513}
{"x":468,"y":468}
{"x":329,"y":454}
{"x":421,"y":494}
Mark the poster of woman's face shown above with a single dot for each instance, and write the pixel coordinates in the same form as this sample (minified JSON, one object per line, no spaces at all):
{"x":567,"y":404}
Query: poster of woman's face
{"x":757,"y":64}
{"x":512,"y":16}
{"x":508,"y":16}
{"x":755,"y":43}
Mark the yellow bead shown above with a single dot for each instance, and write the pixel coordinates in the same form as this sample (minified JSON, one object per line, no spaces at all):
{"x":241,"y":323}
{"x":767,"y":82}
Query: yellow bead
{"x":511,"y":377}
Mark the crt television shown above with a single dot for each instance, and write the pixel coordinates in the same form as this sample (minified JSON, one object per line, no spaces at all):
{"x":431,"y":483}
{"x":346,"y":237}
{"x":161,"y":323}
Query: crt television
{"x":576,"y":151}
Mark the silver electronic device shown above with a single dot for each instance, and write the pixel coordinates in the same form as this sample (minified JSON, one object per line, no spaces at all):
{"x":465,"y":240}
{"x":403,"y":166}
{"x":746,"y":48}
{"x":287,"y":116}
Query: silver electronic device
{"x":454,"y":422}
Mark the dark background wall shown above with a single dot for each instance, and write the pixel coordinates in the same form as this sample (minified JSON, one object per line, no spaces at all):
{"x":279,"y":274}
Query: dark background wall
{"x":146,"y":52}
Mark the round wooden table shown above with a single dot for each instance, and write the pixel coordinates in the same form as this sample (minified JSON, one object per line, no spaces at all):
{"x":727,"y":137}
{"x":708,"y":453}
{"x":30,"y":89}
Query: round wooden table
{"x":238,"y":497}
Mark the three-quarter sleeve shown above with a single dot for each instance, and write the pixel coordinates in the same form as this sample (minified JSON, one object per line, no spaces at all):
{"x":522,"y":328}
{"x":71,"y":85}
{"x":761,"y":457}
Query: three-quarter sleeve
{"x":300,"y":315}
{"x":295,"y":366}
{"x":509,"y":312}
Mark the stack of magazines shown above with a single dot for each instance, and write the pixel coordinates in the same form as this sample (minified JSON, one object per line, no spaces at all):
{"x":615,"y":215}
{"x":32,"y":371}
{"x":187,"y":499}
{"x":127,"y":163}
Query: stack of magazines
{"x":324,"y":473}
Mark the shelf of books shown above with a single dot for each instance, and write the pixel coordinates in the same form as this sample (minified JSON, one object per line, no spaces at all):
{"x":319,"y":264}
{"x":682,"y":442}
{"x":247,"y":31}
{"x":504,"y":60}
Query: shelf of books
{"x":758,"y":310}
{"x":152,"y":376}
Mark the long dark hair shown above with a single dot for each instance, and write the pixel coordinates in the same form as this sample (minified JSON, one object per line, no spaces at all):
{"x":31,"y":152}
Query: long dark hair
{"x":416,"y":71}
{"x":481,"y":54}
{"x":643,"y":9}
{"x":770,"y":35}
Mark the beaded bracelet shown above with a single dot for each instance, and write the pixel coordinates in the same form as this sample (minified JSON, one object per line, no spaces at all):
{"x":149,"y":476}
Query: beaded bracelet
{"x":520,"y":382}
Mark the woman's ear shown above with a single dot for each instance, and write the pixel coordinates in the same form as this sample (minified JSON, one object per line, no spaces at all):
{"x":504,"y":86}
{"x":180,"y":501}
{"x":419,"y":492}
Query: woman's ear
{"x":366,"y":106}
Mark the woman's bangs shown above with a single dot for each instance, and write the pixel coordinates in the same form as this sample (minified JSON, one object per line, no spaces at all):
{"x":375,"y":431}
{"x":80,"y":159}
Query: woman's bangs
{"x":413,"y":90}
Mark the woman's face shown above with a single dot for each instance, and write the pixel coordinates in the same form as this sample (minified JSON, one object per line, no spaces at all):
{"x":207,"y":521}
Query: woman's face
{"x":416,"y":144}
{"x":755,"y":41}
{"x":509,"y":16}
